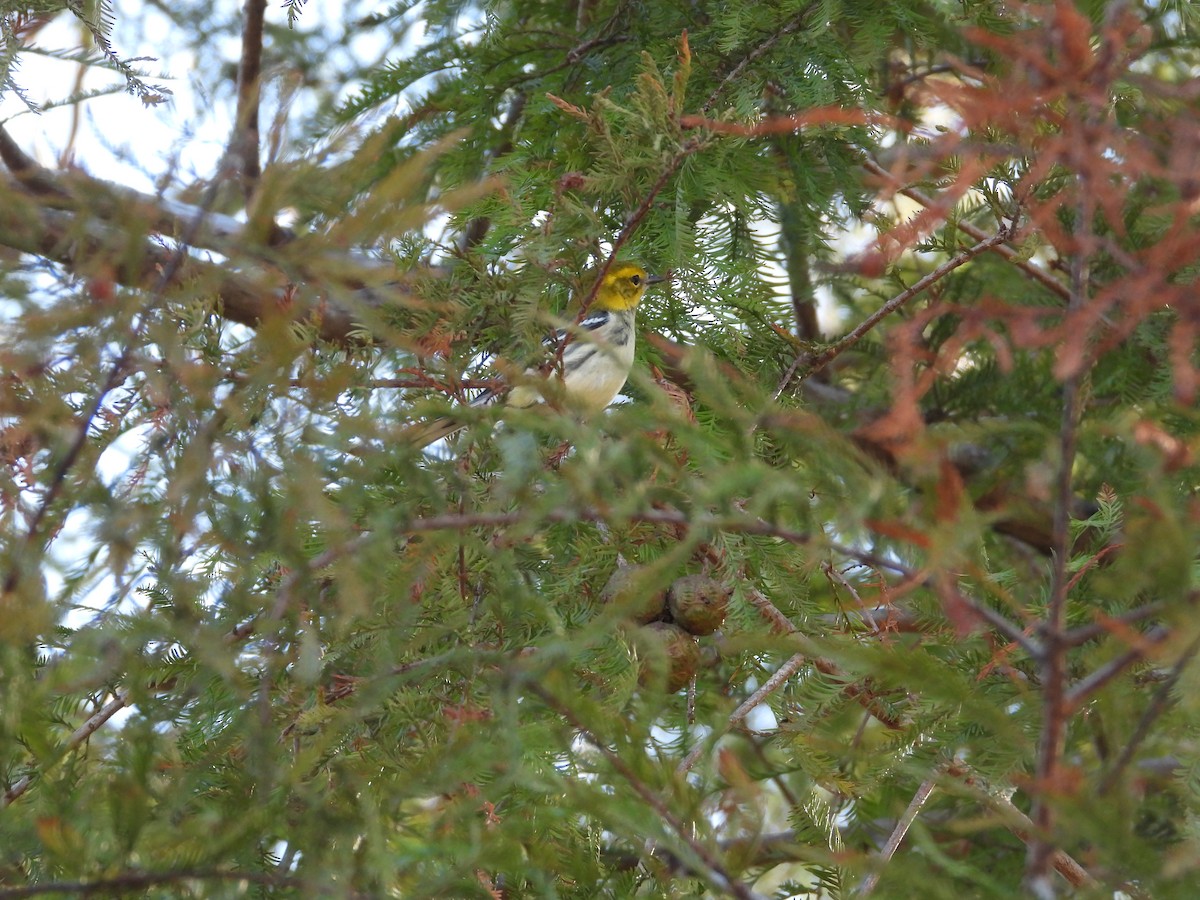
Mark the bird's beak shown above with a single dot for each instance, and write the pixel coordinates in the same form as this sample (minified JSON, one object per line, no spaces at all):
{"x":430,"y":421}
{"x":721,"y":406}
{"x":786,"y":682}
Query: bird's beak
{"x":656,"y":279}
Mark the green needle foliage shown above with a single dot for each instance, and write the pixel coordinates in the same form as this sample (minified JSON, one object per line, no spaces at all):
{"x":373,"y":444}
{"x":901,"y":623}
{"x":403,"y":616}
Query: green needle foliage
{"x":919,"y":395}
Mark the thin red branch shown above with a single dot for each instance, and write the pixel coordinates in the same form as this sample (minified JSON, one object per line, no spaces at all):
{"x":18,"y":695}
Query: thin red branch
{"x":820,"y":116}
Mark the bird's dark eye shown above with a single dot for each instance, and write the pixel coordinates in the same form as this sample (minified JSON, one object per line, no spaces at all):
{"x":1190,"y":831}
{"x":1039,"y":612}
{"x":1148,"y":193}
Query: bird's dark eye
{"x":636,"y":279}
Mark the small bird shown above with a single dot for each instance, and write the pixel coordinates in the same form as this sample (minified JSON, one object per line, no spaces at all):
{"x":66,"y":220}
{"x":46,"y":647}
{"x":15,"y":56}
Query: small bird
{"x":595,"y":361}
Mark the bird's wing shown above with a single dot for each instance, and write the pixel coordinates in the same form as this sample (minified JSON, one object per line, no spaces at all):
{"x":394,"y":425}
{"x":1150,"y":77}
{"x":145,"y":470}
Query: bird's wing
{"x":422,"y":434}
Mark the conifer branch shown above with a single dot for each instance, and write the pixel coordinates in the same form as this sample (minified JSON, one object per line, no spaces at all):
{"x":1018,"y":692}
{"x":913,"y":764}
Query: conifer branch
{"x":1018,"y":823}
{"x":813,"y":363}
{"x":714,"y":871}
{"x":1110,"y":624}
{"x":29,"y":548}
{"x":1053,"y":663}
{"x":1041,"y":276}
{"x":1159,"y":703}
{"x":760,"y":50}
{"x":128,"y":882}
{"x":860,"y":694}
{"x":635,"y":218}
{"x":73,"y":219}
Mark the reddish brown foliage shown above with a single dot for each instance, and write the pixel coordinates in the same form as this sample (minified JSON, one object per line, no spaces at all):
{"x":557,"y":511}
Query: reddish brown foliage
{"x":1089,"y":157}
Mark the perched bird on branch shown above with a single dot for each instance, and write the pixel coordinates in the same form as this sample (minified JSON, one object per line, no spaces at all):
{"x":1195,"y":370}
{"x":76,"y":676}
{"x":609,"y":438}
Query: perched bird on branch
{"x":597,"y":354}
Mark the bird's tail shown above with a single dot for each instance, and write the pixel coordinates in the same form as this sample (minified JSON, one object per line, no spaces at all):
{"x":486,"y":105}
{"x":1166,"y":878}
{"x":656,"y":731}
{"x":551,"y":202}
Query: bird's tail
{"x":422,"y":434}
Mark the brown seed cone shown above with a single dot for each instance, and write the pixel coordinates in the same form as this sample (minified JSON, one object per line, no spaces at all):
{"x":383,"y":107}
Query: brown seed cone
{"x":681,"y":650}
{"x":698,"y":603}
{"x":631,"y":588}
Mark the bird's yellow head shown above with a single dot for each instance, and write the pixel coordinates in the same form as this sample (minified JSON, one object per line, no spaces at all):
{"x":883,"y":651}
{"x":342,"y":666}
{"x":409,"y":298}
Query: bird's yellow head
{"x":623,"y":287}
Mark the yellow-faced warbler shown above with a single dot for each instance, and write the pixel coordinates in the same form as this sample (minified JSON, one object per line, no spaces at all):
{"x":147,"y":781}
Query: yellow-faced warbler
{"x":596,"y":358}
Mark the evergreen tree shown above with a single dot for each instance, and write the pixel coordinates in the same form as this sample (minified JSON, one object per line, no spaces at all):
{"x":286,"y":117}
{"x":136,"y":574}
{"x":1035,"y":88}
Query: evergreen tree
{"x":882,"y":577}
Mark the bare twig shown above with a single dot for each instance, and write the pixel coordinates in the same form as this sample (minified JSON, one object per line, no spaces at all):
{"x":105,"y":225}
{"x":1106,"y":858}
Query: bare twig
{"x":788,"y":123}
{"x":21,"y":558}
{"x":1020,"y":824}
{"x":783,"y":625}
{"x":778,"y":678}
{"x":986,"y":614}
{"x":833,"y":574}
{"x":1085,"y":633}
{"x":897,"y":836}
{"x":1087,"y":686}
{"x":90,"y":726}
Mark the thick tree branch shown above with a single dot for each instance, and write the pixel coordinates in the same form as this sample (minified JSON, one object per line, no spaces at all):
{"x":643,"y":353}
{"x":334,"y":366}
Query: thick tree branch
{"x":243,"y":143}
{"x":80,"y":193}
{"x":344,"y":294}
